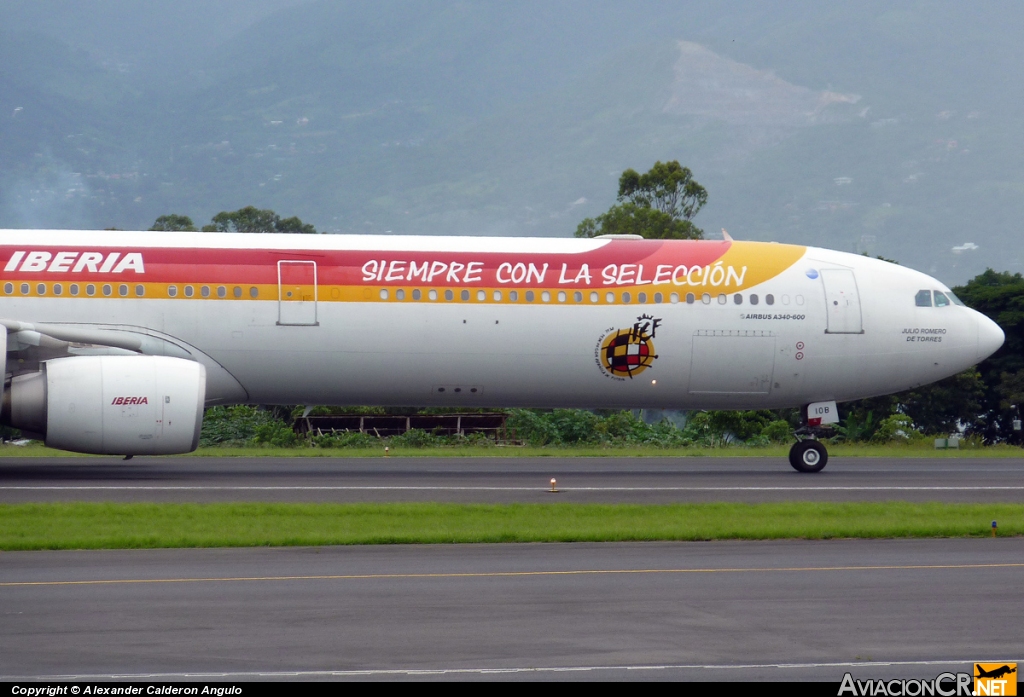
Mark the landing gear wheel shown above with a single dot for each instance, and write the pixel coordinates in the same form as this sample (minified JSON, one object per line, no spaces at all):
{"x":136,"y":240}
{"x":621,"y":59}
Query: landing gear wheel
{"x":808,"y":456}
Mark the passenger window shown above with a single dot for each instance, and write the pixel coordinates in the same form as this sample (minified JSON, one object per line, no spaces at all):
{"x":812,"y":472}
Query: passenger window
{"x":90,"y":289}
{"x":172,"y":291}
{"x":641,"y":298}
{"x":432,"y":295}
{"x":222,"y":292}
{"x":529,"y":296}
{"x":626,"y":297}
{"x":941,"y":300}
{"x":205,"y":291}
{"x":237,"y":291}
{"x":57,"y":289}
{"x":722,"y":299}
{"x":383,"y":293}
{"x":74,"y":289}
{"x":481,"y":295}
{"x":753,"y":299}
{"x":416,"y":294}
{"x":497,"y":296}
{"x":122,"y":290}
{"x":690,"y":299}
{"x":513,"y":296}
{"x":464,"y":295}
{"x":107,"y":290}
{"x":706,"y":298}
{"x":189,"y":291}
{"x":545,"y":296}
{"x":24,"y":289}
{"x":41,"y":289}
{"x":400,"y":294}
{"x":923,"y":298}
{"x":609,"y":298}
{"x":140,"y":290}
{"x":254,"y":292}
{"x":594,"y":296}
{"x":769,"y":299}
{"x":562,"y":297}
{"x":658,"y":297}
{"x":448,"y":295}
{"x":8,"y":288}
{"x":577,"y":296}
{"x":738,"y":298}
{"x":674,"y":298}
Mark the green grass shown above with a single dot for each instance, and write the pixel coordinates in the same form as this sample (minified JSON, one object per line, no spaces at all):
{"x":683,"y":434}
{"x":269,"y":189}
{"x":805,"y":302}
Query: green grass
{"x":136,"y":525}
{"x":923,"y":449}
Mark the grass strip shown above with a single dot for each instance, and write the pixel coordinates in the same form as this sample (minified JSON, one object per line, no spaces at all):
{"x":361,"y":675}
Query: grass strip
{"x":143,"y":525}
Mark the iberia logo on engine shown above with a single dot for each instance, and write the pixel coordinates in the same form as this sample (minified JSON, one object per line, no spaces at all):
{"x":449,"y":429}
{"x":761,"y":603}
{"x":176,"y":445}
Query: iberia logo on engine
{"x":130,"y":400}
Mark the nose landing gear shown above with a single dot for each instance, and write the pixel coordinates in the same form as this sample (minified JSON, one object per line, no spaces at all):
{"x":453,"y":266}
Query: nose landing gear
{"x":808,"y":456}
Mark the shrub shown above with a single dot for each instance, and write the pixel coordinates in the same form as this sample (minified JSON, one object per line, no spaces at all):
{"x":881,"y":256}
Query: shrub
{"x":777,"y":432}
{"x":235,"y":425}
{"x":898,"y":428}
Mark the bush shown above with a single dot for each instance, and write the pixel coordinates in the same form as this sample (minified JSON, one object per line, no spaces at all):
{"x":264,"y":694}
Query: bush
{"x":898,"y":428}
{"x":276,"y":434}
{"x":777,"y":432}
{"x":236,"y":425}
{"x":344,"y":439}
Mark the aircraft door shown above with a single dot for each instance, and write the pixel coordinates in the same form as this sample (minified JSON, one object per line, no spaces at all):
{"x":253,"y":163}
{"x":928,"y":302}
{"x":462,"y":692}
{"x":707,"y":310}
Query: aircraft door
{"x":296,"y":293}
{"x":843,"y":302}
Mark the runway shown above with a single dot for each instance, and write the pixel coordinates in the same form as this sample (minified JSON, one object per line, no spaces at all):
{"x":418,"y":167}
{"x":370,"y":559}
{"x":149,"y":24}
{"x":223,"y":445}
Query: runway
{"x":507,"y":479}
{"x":665,"y":611}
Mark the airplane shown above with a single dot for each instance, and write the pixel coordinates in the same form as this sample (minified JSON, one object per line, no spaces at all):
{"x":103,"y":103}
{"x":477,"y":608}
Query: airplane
{"x":116,"y":341}
{"x":994,"y":673}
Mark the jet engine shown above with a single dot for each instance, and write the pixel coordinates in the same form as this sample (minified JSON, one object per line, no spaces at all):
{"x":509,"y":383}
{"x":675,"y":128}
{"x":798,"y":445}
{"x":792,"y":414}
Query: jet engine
{"x":111,"y":405}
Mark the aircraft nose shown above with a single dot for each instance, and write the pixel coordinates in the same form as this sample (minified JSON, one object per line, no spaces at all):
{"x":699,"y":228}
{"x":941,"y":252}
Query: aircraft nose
{"x":990,"y":336}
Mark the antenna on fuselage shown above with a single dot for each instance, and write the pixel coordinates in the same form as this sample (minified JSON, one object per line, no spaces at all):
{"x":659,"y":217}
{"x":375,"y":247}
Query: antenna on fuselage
{"x":726,"y":236}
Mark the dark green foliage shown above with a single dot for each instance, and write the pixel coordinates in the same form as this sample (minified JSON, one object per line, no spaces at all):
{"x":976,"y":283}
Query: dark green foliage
{"x":938,"y":408}
{"x":252,"y":219}
{"x":174,"y":223}
{"x":630,"y":219}
{"x":657,"y":205}
{"x":667,"y":187}
{"x":1000,"y":296}
{"x":276,"y":434}
{"x":236,"y":425}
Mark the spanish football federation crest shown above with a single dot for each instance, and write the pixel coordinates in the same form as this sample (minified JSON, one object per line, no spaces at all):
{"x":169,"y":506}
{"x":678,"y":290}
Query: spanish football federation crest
{"x":625,"y":353}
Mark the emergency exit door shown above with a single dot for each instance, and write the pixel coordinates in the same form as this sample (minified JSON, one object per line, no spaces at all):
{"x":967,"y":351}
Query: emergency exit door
{"x":296,"y":293}
{"x":843,"y":302}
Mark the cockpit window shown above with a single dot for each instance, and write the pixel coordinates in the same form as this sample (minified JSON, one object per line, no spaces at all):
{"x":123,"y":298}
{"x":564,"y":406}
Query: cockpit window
{"x":956,"y":300}
{"x":940,"y":299}
{"x":923,"y":298}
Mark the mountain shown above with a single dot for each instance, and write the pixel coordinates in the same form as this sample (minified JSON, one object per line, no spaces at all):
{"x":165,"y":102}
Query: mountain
{"x":858,"y":126}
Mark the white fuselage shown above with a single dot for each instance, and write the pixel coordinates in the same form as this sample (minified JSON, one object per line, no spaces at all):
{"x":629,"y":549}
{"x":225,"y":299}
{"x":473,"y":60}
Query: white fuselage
{"x":295,"y":319}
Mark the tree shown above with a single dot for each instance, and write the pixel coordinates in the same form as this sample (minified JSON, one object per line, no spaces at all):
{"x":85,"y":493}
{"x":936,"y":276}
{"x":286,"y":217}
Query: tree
{"x":659,"y":204}
{"x":174,"y":223}
{"x":1000,"y":296}
{"x":252,"y":219}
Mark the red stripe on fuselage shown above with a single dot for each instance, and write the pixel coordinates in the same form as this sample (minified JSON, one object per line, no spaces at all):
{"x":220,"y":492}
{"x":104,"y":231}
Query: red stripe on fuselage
{"x":347,"y":267}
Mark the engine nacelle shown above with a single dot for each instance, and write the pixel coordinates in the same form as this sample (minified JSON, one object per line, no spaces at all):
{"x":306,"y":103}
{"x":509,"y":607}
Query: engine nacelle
{"x":111,"y":405}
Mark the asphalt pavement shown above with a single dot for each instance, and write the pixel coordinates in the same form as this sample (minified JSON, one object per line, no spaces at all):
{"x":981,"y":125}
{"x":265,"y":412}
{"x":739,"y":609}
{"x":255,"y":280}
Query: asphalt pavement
{"x":508,"y":479}
{"x":804,"y":610}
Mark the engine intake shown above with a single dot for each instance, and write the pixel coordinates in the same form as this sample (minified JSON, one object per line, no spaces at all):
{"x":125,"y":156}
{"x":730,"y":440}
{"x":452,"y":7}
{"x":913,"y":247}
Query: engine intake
{"x":111,"y":405}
